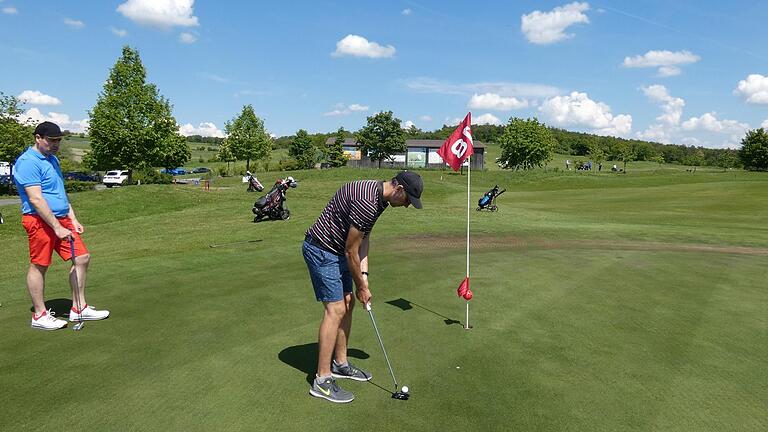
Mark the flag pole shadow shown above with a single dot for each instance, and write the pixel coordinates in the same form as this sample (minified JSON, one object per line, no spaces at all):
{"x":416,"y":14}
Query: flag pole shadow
{"x":405,"y":305}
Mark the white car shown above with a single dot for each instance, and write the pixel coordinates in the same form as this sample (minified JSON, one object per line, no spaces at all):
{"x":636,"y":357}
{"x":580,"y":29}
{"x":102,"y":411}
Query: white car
{"x":116,"y":178}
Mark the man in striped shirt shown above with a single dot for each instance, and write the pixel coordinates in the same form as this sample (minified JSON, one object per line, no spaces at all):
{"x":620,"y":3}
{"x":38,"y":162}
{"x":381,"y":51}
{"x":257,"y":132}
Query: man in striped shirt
{"x":336,"y":252}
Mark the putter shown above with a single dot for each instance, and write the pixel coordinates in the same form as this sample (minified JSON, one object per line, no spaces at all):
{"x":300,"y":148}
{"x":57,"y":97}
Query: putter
{"x":397,"y":394}
{"x":233,"y":243}
{"x":76,"y":294}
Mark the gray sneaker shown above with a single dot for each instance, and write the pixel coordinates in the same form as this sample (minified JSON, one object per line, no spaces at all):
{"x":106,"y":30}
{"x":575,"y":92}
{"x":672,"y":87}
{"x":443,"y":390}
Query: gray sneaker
{"x":331,"y":391}
{"x":349,"y":371}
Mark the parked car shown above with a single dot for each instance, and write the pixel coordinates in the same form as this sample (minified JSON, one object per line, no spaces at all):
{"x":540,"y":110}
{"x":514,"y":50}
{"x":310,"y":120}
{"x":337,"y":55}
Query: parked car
{"x":82,"y":176}
{"x":5,"y":179}
{"x":116,"y":178}
{"x":201,"y":170}
{"x":174,"y":171}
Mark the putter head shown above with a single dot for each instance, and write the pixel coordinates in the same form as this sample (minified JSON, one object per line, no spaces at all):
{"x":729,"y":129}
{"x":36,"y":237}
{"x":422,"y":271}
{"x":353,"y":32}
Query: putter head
{"x":400,"y":395}
{"x":78,"y":326}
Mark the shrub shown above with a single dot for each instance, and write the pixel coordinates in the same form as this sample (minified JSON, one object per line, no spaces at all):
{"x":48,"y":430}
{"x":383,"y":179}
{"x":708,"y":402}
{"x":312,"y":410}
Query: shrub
{"x":288,"y":165}
{"x":150,"y":176}
{"x":223,"y":171}
{"x":78,"y":186}
{"x":201,"y":160}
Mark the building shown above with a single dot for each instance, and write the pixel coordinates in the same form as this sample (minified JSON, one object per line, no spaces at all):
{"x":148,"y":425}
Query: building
{"x":419,"y":154}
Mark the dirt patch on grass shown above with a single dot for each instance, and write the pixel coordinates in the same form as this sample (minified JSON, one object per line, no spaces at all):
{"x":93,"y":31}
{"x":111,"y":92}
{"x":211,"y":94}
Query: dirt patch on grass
{"x":485,"y":242}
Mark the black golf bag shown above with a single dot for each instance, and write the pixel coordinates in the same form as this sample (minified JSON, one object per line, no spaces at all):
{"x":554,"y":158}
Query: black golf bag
{"x":272,"y":205}
{"x":488,"y":201}
{"x":253,"y":183}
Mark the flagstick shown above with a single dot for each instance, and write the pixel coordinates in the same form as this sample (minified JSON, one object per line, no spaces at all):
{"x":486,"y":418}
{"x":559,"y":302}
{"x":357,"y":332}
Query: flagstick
{"x":469,"y":175}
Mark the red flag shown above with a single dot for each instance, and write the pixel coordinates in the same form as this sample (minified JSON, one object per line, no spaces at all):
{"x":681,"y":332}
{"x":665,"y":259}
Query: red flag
{"x":464,"y":289}
{"x":458,"y":146}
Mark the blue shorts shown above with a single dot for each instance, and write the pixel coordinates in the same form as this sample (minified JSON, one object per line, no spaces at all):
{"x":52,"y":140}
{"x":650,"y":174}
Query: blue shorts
{"x":329,"y":273}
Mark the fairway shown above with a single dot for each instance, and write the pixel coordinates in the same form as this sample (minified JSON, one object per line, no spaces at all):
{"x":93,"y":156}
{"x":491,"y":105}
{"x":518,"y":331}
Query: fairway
{"x":602,"y":302}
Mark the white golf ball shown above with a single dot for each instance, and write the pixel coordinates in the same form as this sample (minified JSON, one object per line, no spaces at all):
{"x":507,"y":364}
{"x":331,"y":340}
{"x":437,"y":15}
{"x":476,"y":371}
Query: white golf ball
{"x":405,"y":389}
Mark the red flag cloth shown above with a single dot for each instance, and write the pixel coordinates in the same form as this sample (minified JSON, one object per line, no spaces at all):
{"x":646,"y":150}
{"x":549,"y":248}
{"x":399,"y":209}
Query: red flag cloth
{"x":463,"y":288}
{"x":458,"y":146}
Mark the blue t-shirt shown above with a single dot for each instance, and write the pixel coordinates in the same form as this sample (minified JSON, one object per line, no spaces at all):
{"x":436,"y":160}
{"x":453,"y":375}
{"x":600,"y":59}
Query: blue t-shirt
{"x":33,"y":168}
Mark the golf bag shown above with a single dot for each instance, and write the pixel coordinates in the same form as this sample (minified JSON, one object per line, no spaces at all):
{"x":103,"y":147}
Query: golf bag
{"x":488,"y":201}
{"x":253,"y":183}
{"x":272,"y":205}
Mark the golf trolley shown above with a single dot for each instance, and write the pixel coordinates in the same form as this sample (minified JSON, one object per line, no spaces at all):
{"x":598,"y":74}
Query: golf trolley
{"x":253,"y":183}
{"x":272,"y":205}
{"x":488,"y":201}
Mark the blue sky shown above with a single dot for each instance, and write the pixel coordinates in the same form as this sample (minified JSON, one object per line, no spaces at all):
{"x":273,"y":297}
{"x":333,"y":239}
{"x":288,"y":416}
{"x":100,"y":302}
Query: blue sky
{"x":692,"y":72}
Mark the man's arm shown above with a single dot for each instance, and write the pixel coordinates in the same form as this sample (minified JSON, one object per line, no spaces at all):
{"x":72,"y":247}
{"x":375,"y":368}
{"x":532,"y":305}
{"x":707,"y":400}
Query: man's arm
{"x":36,"y":200}
{"x":356,"y":251}
{"x":75,"y":223}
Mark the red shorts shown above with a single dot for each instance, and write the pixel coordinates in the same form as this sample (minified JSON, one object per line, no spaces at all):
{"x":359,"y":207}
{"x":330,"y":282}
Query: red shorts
{"x":43,"y":240}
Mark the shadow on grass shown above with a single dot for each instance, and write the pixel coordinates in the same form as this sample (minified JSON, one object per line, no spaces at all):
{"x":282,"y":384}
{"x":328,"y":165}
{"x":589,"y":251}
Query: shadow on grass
{"x":304,"y":358}
{"x":408,"y":305}
{"x":59,"y":306}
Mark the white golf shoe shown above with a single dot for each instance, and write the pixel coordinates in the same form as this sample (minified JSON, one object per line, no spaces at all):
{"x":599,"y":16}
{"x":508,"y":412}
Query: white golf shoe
{"x":87,"y":314}
{"x":47,"y":322}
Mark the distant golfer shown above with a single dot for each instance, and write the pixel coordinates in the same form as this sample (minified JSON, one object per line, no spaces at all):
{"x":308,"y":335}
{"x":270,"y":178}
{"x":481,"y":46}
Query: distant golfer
{"x":336,"y":252}
{"x":50,"y":222}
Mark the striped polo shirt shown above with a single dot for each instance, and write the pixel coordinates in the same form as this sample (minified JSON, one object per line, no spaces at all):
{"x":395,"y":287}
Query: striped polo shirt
{"x":359,"y":204}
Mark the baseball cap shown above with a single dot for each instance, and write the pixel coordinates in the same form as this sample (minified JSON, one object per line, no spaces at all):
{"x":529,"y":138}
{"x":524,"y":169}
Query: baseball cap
{"x":413,"y":186}
{"x":48,"y":129}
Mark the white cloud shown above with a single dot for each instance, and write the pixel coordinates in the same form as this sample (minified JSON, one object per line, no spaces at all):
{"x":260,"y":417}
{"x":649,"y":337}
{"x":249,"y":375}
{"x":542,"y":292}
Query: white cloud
{"x":502,"y":88}
{"x":666,"y":61}
{"x":408,"y":124}
{"x":10,"y":10}
{"x":487,"y":118}
{"x":426,"y":118}
{"x":341,"y":110}
{"x":578,"y":109}
{"x":34,"y":116}
{"x":358,"y":46}
{"x":34,"y":97}
{"x":119,"y":32}
{"x":709,"y":122}
{"x":406,"y":12}
{"x":187,"y":38}
{"x":162,"y":14}
{"x":75,"y":24}
{"x":754,"y":89}
{"x":672,"y":106}
{"x":207,"y":129}
{"x":549,"y":27}
{"x":764,"y":124}
{"x":493,"y":101}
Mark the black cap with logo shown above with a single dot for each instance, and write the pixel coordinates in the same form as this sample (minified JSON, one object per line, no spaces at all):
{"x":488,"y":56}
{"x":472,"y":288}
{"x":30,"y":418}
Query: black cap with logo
{"x":48,"y":129}
{"x":413,"y":186}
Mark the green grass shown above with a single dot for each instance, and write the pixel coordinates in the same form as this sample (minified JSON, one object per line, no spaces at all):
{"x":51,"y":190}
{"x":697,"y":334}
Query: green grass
{"x":602,"y":302}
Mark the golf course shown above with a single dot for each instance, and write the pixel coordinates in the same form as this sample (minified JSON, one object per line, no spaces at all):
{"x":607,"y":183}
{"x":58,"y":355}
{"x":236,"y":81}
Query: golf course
{"x":602,"y":302}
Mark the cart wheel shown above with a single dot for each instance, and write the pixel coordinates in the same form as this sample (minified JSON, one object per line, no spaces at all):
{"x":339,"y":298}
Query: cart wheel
{"x":286,"y":214}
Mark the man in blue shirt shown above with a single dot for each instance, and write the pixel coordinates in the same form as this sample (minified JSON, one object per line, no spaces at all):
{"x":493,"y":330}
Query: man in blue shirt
{"x":51,"y":224}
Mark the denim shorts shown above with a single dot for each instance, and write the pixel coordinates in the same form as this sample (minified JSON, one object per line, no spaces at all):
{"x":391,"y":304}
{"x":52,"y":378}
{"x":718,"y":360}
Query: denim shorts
{"x":329,"y":273}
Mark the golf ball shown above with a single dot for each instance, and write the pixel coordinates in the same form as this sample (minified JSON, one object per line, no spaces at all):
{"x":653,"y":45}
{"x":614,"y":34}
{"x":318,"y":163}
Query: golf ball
{"x":405,"y":389}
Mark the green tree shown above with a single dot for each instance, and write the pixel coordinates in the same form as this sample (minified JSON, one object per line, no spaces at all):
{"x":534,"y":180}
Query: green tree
{"x":727,"y":159}
{"x":247,"y":137}
{"x":225,"y":155}
{"x":596,"y":153}
{"x":382,"y":137}
{"x":15,"y":137}
{"x":336,"y":156}
{"x":131,"y":124}
{"x":525,"y":144}
{"x":302,"y":149}
{"x":622,"y":151}
{"x":754,"y":150}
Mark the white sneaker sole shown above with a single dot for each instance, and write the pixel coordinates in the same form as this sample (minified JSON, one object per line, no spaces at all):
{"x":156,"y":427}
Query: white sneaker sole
{"x":39,"y":327}
{"x":78,"y":319}
{"x":349,"y":377}
{"x":323,"y":396}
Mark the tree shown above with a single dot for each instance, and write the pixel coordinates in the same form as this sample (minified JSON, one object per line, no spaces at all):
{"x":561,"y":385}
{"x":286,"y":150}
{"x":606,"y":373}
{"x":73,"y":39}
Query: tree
{"x":226,"y":155}
{"x":382,"y":137}
{"x":727,"y":159}
{"x":754,"y":150}
{"x":14,"y":136}
{"x":622,"y":151}
{"x":131,"y":125}
{"x":303,"y":150}
{"x":596,"y":153}
{"x":336,"y":156}
{"x":247,"y":137}
{"x":525,"y":144}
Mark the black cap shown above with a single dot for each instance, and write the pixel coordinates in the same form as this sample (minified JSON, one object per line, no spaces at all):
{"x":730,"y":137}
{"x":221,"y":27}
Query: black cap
{"x":48,"y":129}
{"x":413,"y":186}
